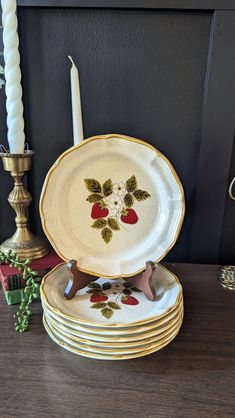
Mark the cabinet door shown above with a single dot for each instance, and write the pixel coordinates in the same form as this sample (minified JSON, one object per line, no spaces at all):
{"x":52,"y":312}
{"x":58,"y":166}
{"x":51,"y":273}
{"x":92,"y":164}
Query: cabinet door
{"x":216,"y":143}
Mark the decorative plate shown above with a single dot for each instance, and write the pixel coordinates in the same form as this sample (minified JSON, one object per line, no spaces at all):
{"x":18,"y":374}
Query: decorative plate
{"x":107,"y":302}
{"x":84,"y":353}
{"x":125,"y":340}
{"x":117,"y":351}
{"x":111,"y":334}
{"x":109,"y":200}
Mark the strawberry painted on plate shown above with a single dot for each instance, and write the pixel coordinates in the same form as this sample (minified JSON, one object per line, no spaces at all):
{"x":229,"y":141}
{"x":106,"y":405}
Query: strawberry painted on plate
{"x":129,"y":216}
{"x":130,"y":300}
{"x":98,"y":212}
{"x":98,"y":297}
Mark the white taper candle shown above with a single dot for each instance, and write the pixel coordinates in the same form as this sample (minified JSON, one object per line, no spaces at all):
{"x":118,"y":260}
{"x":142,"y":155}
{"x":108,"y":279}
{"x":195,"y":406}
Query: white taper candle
{"x":14,"y":105}
{"x":76,"y":104}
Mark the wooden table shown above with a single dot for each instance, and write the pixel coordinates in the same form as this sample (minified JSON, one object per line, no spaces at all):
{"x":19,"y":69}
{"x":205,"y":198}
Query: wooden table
{"x":192,"y":377}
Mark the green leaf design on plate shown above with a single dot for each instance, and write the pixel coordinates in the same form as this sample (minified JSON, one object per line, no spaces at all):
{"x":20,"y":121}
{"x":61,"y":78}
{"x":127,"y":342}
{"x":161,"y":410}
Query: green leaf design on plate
{"x":106,"y":286}
{"x":94,"y":285}
{"x":99,"y":223}
{"x":93,"y":185}
{"x":127,"y":291}
{"x":92,"y":291}
{"x":124,"y":212}
{"x":129,"y":200}
{"x":127,"y":284}
{"x":113,"y":305}
{"x":106,"y":235}
{"x":113,"y":224}
{"x":131,"y":184}
{"x":95,"y":197}
{"x":98,"y":305}
{"x":141,"y":195}
{"x":102,"y":204}
{"x":135,"y":289}
{"x":107,"y":312}
{"x":108,"y":187}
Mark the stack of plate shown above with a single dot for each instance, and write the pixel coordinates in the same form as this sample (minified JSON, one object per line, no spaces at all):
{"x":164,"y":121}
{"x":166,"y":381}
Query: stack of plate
{"x":112,"y":203}
{"x":110,"y":319}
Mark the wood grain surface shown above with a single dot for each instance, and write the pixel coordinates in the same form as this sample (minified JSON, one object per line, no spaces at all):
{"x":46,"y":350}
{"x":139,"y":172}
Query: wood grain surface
{"x":193,"y":377}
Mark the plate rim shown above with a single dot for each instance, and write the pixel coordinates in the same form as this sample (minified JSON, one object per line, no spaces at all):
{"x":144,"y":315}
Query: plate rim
{"x":107,"y":137}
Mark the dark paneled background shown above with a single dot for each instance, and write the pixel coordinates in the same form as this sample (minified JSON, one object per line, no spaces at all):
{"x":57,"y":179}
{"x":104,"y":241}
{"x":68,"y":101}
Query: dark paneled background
{"x":142,"y":73}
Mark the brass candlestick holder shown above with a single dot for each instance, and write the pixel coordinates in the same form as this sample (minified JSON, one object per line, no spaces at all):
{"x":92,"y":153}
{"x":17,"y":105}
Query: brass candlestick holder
{"x":23,"y":242}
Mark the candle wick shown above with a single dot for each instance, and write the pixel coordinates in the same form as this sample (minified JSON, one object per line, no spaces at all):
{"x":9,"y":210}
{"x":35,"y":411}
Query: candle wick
{"x":71,"y":59}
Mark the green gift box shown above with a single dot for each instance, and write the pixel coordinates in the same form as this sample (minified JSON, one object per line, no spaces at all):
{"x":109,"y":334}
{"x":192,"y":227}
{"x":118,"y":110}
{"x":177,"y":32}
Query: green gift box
{"x":15,"y":296}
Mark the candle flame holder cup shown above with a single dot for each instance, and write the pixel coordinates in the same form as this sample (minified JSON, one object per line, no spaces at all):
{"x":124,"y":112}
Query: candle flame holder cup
{"x":24,"y":243}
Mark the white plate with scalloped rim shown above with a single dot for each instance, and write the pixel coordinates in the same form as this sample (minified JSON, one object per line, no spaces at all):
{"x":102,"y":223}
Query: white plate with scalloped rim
{"x":109,"y":305}
{"x":109,"y":200}
{"x":130,"y":340}
{"x":113,"y":334}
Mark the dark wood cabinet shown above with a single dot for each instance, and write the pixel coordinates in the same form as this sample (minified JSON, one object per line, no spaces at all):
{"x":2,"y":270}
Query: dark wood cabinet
{"x":159,"y":71}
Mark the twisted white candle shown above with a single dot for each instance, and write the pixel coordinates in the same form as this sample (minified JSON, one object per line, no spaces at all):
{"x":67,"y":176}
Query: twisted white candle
{"x":14,"y":105}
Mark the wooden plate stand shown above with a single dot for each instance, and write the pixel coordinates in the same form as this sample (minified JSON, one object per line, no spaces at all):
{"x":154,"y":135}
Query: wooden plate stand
{"x":143,"y":281}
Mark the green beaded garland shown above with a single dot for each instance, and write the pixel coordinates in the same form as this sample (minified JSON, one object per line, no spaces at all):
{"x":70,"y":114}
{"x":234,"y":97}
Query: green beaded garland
{"x":31,"y":277}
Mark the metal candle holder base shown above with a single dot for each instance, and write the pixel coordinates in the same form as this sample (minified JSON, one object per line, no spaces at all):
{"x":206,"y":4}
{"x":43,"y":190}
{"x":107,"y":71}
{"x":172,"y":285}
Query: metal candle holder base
{"x":23,"y":242}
